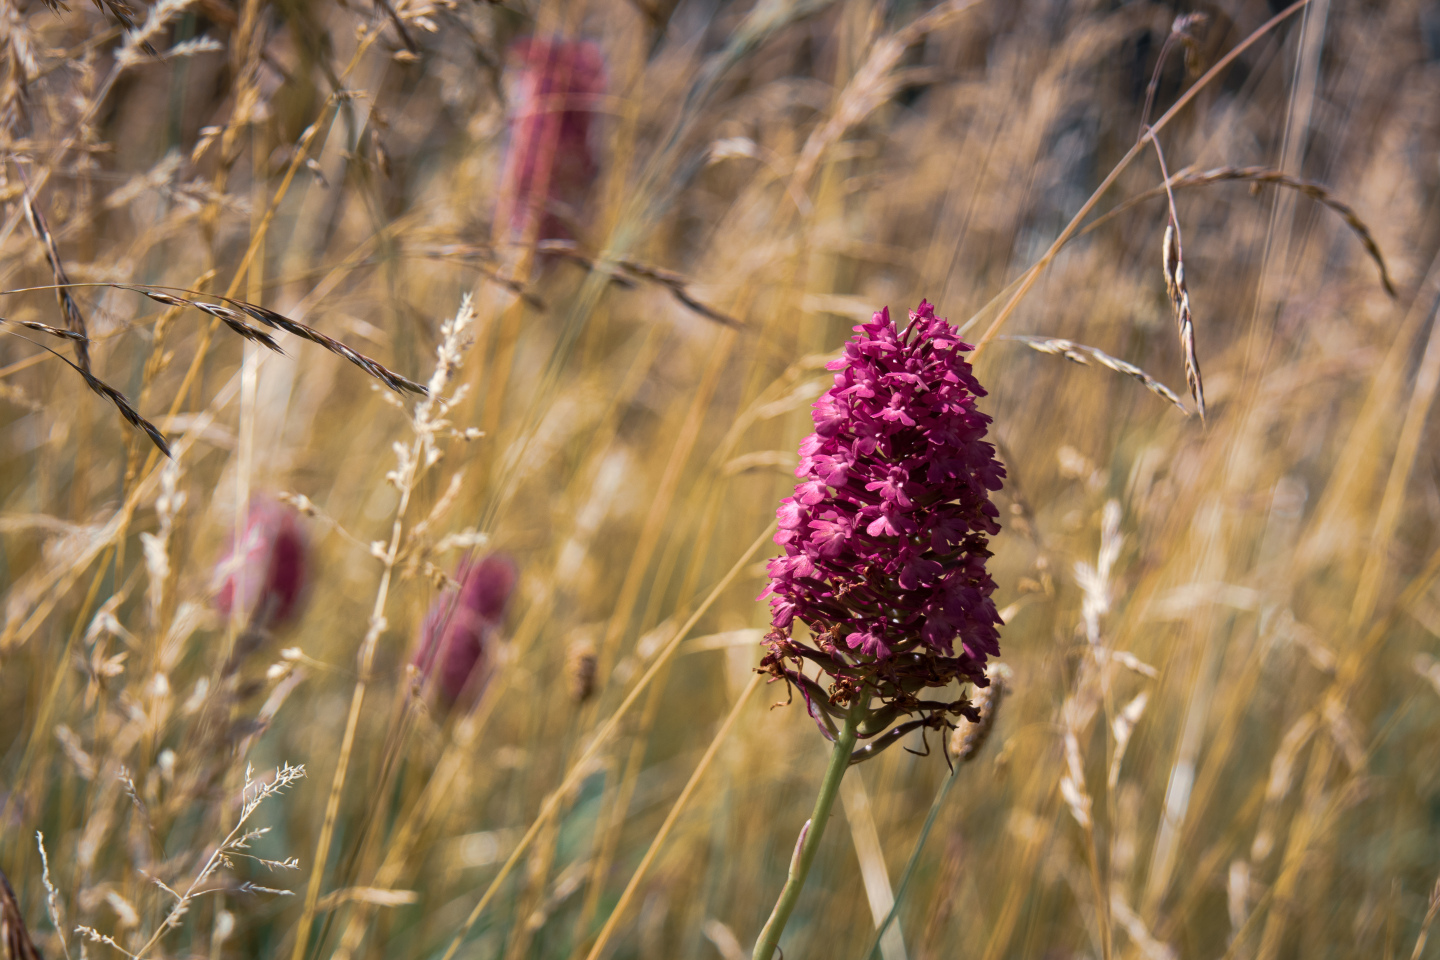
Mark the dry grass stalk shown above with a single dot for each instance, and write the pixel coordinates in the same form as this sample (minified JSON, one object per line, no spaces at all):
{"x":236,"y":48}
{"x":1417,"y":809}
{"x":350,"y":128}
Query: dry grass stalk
{"x":624,"y":272}
{"x":1432,"y":910}
{"x":1174,"y":266}
{"x":74,"y":319}
{"x":873,"y":83}
{"x":1009,"y":299}
{"x":1270,"y":176}
{"x":1182,"y":31}
{"x":121,"y":402}
{"x":964,"y":745}
{"x":1083,"y":354}
{"x":14,"y":936}
{"x":597,"y":950}
{"x":1093,"y":690}
{"x":277,"y":321}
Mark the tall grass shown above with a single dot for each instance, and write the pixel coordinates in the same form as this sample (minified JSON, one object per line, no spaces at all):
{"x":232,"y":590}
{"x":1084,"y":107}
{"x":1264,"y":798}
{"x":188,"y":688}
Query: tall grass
{"x":1220,"y":738}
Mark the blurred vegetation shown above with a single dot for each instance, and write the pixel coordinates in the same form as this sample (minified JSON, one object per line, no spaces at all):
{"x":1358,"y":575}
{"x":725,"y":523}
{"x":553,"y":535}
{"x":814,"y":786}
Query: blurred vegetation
{"x":641,"y":364}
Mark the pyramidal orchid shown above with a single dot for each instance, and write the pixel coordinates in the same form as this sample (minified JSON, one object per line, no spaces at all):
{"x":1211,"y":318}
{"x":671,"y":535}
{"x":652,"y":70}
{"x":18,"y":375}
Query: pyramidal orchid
{"x":551,"y":163}
{"x":262,"y":581}
{"x":458,"y":632}
{"x":885,"y":539}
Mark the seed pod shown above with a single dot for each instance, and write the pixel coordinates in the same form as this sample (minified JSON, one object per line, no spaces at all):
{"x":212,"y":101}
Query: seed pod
{"x":580,"y":670}
{"x":968,"y":739}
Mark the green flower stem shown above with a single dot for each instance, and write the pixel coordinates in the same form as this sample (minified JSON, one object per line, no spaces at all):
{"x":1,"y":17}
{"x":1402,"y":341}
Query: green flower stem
{"x":810,"y":835}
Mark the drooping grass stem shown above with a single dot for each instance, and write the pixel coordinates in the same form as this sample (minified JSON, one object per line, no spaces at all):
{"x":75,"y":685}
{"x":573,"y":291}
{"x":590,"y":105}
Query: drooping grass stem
{"x":811,"y":833}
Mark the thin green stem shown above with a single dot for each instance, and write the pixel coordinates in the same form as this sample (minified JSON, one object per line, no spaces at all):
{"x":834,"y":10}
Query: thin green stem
{"x":811,"y":833}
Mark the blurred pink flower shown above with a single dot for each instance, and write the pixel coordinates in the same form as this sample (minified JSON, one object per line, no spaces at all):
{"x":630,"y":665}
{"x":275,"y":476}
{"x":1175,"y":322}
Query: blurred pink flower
{"x":461,"y":624}
{"x":264,"y":581}
{"x":551,"y":164}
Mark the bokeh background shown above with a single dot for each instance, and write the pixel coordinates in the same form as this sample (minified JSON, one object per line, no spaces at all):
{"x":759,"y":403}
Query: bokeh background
{"x":1224,"y":733}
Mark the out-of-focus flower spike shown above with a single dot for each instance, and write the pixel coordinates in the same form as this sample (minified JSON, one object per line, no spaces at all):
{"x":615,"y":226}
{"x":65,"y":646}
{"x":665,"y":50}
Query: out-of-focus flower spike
{"x":264,"y":579}
{"x":459,"y":630}
{"x":552,"y":161}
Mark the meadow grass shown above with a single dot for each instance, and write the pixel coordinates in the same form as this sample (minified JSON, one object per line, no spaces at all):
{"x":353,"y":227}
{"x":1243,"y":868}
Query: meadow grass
{"x":591,"y":344}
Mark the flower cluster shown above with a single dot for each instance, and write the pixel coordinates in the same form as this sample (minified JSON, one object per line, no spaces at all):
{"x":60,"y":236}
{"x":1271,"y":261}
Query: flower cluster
{"x":263,"y":580}
{"x":551,"y":164}
{"x":886,"y":535}
{"x":460,"y":625}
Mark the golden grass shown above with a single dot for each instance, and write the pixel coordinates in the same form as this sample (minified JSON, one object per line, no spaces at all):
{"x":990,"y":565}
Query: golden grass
{"x":1219,"y":738}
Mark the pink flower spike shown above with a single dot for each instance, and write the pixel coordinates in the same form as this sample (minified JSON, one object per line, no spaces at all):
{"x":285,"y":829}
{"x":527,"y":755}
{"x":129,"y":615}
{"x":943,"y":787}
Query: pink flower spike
{"x":885,"y":538}
{"x":264,"y":580}
{"x":551,"y":162}
{"x":453,"y":649}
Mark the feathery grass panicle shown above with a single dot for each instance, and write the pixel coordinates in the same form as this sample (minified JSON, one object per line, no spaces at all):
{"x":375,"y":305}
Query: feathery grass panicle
{"x":429,"y":423}
{"x":52,"y":896}
{"x":233,"y":846}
